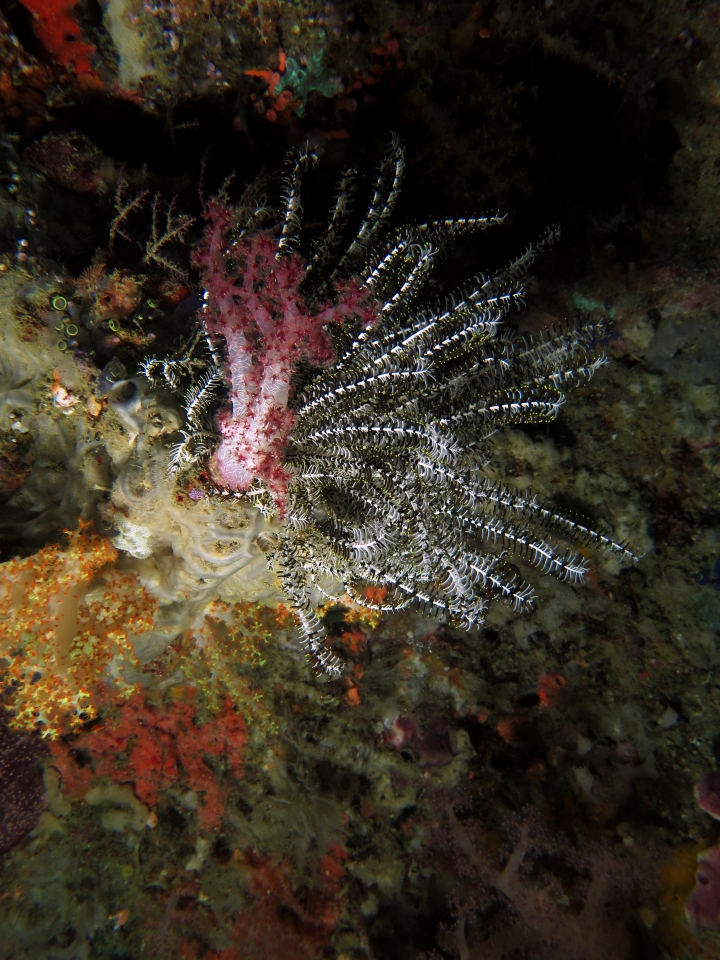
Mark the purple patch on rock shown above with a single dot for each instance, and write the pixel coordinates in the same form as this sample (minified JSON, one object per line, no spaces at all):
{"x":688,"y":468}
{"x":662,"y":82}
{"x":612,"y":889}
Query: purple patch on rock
{"x":703,"y":904}
{"x":707,"y":793}
{"x":429,"y":741}
{"x":22,"y":796}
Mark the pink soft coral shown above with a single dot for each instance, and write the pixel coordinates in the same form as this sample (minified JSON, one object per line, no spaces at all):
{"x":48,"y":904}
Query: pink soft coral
{"x":254,"y":300}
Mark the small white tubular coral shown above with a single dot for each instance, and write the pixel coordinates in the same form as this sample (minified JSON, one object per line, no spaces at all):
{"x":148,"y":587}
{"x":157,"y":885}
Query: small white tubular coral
{"x":190,"y":552}
{"x":361,"y":410}
{"x":200,"y":551}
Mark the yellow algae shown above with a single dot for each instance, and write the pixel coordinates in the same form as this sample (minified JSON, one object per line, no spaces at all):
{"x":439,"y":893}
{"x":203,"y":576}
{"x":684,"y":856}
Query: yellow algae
{"x":227,"y":649}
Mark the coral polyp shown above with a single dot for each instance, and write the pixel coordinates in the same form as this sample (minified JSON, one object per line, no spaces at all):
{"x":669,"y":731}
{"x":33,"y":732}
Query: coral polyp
{"x":67,"y":621}
{"x":362,"y":406}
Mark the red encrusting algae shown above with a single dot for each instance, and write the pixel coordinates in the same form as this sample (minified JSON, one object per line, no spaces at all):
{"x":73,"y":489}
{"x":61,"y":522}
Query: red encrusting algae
{"x":59,"y":32}
{"x":285,"y":919}
{"x":153,"y":747}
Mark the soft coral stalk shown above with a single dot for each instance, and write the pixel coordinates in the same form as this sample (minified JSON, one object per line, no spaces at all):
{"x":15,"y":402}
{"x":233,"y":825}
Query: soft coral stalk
{"x":254,"y":300}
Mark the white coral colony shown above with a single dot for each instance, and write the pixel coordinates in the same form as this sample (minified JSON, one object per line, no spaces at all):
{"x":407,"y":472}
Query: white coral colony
{"x":360,"y":410}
